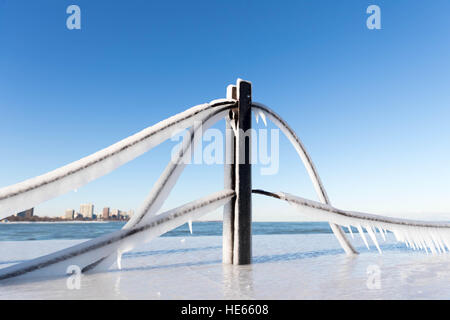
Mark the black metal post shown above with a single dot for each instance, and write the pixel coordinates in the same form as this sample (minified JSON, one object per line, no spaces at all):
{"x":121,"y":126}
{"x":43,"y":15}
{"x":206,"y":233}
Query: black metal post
{"x":242,"y":244}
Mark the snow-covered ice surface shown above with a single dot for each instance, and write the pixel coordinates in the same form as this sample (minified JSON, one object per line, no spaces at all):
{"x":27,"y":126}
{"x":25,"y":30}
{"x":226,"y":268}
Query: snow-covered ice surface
{"x":304,"y":266}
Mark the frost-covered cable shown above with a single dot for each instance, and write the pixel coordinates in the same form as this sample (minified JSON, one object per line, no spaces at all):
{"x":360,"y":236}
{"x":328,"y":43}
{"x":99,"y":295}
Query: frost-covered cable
{"x":33,"y":191}
{"x":426,"y":235}
{"x":84,"y":254}
{"x":175,"y":167}
{"x":163,"y":186}
{"x":309,"y":165}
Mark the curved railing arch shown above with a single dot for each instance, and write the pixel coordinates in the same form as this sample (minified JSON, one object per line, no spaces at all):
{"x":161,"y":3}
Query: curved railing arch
{"x":310,"y":168}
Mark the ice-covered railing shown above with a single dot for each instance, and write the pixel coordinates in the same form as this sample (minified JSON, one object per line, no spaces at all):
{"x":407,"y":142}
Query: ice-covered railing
{"x":162,"y":188}
{"x":263,"y":111}
{"x":431,"y":236}
{"x":89,"y":254}
{"x":102,"y":252}
{"x":416,"y":234}
{"x":34,"y":191}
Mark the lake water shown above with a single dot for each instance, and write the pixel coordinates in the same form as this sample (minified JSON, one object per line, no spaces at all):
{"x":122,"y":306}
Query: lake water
{"x":88,"y":230}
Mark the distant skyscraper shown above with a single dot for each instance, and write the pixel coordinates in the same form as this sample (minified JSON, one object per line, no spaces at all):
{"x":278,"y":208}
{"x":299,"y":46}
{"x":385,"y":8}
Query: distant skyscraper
{"x":26,"y":214}
{"x":70,"y":214}
{"x":115,"y":212}
{"x":130,"y":213}
{"x":87,"y":210}
{"x":105,"y":214}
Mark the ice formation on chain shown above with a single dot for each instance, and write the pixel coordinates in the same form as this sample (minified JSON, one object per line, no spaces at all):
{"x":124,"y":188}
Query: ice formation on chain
{"x":168,"y":178}
{"x":431,"y":237}
{"x":261,"y":114}
{"x":198,"y":122}
{"x":87,"y":254}
{"x":190,"y":226}
{"x":36,"y":190}
{"x":264,"y":111}
{"x":164,"y":184}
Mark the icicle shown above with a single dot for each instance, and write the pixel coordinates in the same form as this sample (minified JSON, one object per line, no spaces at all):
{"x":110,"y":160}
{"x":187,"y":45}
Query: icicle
{"x":119,"y":260}
{"x":428,"y":243}
{"x":233,"y":125}
{"x":415,"y":243}
{"x":445,"y":240}
{"x":257,"y":117}
{"x":361,"y":233}
{"x":384,"y":231}
{"x":435,"y":242}
{"x":412,"y":239}
{"x":263,"y":117}
{"x":420,"y":241}
{"x":349,"y":227}
{"x":190,"y":225}
{"x":434,"y":249}
{"x":373,"y":237}
{"x":438,"y":242}
{"x":381,"y":231}
{"x":406,"y":239}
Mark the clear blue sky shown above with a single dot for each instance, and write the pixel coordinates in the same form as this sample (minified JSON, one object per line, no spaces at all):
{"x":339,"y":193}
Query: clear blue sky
{"x":371,"y":106}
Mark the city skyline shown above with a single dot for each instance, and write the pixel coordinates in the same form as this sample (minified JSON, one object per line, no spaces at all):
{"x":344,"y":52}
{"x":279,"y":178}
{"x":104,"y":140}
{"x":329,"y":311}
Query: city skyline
{"x":86,"y":212}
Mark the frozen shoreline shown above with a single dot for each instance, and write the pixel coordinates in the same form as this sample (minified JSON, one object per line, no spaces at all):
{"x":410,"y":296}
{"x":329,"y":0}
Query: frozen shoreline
{"x":304,"y":266}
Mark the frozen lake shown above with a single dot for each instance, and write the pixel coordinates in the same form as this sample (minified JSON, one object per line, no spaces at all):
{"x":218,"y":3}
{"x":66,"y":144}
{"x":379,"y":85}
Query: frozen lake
{"x":298,"y":266}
